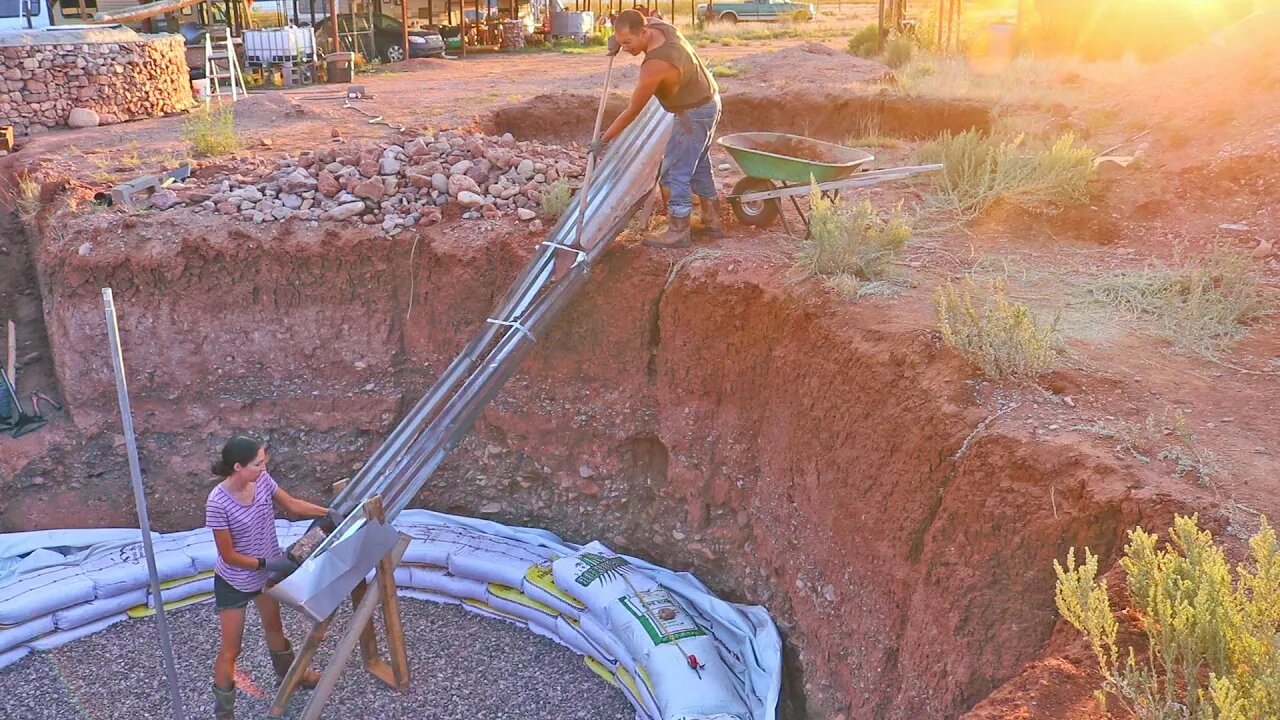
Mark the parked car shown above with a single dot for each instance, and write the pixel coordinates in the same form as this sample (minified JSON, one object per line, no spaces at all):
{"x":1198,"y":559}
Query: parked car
{"x":757,"y":11}
{"x":388,"y":37}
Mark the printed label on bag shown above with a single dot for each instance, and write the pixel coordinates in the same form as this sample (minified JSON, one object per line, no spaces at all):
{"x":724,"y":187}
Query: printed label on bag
{"x":661,"y":617}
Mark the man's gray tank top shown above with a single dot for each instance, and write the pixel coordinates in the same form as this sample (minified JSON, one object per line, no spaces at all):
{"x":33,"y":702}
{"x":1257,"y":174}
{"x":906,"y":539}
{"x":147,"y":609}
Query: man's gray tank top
{"x":696,"y":87}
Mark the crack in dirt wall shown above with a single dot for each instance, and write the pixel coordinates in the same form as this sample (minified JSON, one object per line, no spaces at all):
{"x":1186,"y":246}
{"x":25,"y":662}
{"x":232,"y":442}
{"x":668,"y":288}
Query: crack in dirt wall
{"x":788,"y":452}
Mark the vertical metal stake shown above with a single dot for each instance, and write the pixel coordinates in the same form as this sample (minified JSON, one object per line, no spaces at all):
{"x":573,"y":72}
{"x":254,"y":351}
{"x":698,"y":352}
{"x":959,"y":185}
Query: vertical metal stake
{"x":140,"y":498}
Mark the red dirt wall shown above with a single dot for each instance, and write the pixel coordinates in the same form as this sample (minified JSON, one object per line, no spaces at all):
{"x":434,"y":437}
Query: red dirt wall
{"x":789,"y":453}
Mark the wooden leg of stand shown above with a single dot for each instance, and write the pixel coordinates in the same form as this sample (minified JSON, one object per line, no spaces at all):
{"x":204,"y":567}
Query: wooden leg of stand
{"x":299,"y":667}
{"x":338,"y":661}
{"x":392,"y":624}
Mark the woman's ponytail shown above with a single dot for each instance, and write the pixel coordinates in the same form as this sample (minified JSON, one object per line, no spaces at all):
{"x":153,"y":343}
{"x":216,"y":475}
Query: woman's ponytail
{"x":239,"y":450}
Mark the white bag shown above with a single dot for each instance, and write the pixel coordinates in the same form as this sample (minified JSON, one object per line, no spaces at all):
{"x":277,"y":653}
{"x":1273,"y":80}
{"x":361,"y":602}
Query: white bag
{"x":119,"y":569}
{"x":78,"y":615}
{"x":183,"y":588}
{"x":28,"y":596}
{"x":10,"y":657}
{"x":540,"y":585}
{"x":12,"y":637}
{"x":439,"y":581}
{"x":62,"y":637}
{"x":597,"y":576}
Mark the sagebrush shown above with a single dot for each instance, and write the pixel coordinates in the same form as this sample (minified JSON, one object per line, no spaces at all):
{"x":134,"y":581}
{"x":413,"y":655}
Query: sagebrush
{"x":556,"y":198}
{"x":211,"y":131}
{"x":1199,"y":306}
{"x":863,"y":43}
{"x":980,"y":170}
{"x":849,"y":245}
{"x":1004,"y":338}
{"x":898,"y":51}
{"x":1213,"y":649}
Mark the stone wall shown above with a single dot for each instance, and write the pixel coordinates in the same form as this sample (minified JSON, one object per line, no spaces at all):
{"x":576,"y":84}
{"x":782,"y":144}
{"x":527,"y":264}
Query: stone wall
{"x":103,"y":82}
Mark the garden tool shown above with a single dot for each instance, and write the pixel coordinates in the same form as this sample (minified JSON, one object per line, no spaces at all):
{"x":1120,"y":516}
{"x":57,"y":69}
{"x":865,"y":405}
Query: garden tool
{"x":24,"y":422}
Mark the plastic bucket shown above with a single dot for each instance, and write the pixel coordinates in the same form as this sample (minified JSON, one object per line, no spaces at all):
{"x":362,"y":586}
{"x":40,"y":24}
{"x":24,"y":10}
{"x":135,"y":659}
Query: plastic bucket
{"x":340,"y":67}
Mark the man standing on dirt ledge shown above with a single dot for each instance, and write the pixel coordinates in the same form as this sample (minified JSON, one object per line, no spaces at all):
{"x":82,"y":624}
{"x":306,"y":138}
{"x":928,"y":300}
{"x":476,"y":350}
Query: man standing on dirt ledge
{"x":672,"y":72}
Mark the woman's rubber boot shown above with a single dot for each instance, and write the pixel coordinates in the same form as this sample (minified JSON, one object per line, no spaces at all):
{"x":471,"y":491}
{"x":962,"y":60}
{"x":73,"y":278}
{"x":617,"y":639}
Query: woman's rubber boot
{"x":224,"y":703}
{"x":676,"y":235}
{"x":282,"y":660}
{"x":712,"y":228}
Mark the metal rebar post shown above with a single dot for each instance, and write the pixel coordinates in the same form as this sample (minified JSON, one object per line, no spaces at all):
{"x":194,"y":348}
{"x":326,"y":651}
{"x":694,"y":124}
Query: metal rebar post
{"x":140,"y":499}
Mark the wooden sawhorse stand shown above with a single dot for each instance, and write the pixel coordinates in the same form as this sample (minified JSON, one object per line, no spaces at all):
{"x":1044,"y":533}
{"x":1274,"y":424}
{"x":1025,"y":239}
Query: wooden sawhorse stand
{"x":365,"y":599}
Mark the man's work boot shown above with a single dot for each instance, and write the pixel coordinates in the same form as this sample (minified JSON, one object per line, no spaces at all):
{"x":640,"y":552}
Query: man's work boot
{"x":282,"y":660}
{"x":224,"y":703}
{"x":711,"y":227}
{"x":675,"y":236}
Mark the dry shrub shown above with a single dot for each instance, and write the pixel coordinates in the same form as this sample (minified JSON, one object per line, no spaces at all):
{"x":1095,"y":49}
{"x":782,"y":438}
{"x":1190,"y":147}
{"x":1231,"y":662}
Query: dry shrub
{"x":980,"y":170}
{"x":1002,"y":337}
{"x":27,"y":196}
{"x":1200,"y":306}
{"x":848,"y":246}
{"x":556,"y":199}
{"x":1211,"y":633}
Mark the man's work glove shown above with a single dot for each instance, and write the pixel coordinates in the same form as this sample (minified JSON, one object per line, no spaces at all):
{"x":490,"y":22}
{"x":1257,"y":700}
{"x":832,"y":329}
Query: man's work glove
{"x":280,"y":564}
{"x":333,"y":516}
{"x":596,"y":147}
{"x":614,"y":45}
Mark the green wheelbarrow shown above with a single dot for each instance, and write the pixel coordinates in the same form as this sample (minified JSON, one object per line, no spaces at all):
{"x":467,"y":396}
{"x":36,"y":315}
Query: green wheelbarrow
{"x":780,"y":166}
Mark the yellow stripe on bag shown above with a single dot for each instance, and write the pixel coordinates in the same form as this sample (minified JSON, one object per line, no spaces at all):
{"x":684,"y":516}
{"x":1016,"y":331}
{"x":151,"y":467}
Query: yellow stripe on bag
{"x":600,"y":670}
{"x":168,"y":584}
{"x":540,"y":575}
{"x":629,"y":683}
{"x":515,"y":596}
{"x":144,"y":610}
{"x":491,"y":609}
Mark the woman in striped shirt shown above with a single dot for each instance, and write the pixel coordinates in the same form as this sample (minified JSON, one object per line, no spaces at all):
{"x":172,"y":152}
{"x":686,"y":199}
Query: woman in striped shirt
{"x":241,"y":513}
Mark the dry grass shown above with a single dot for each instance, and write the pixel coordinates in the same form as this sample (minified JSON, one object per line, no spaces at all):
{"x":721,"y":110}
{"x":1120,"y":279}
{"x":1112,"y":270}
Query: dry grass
{"x":1200,"y":307}
{"x":27,"y":196}
{"x":981,"y":170}
{"x":1002,"y":337}
{"x":868,"y":133}
{"x":556,"y":199}
{"x":849,"y":246}
{"x":211,"y":131}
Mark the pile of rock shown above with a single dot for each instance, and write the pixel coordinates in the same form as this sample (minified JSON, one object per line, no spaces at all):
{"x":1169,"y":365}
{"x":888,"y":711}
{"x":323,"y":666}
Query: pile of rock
{"x":397,"y":186}
{"x":83,"y":84}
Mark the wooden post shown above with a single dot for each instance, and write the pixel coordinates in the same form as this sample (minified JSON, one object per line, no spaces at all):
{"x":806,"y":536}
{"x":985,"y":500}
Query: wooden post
{"x":404,"y":26}
{"x":880,"y":28}
{"x":333,"y":25}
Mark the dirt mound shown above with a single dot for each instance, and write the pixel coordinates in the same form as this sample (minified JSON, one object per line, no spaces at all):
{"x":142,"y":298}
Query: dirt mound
{"x":1220,"y":96}
{"x":812,"y":65}
{"x":555,"y":117}
{"x":833,"y":115}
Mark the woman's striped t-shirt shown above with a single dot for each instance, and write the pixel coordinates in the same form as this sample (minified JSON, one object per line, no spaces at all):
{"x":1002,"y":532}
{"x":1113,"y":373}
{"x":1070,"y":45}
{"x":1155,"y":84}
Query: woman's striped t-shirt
{"x":253,"y":531}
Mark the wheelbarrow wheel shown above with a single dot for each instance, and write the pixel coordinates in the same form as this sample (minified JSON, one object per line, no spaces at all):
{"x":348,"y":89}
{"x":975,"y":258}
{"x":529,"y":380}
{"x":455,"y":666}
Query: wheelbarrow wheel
{"x":757,"y":213}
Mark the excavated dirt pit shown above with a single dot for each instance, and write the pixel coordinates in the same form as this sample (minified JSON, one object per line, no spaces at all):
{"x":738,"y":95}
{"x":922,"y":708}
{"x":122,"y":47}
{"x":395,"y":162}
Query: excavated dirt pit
{"x":832,"y":114}
{"x":706,"y":418}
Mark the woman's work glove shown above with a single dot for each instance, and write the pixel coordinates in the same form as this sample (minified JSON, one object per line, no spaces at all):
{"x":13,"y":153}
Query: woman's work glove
{"x":280,"y":564}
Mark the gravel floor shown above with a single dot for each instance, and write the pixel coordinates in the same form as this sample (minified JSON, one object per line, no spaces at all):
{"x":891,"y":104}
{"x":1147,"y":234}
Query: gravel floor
{"x":464,"y":667}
